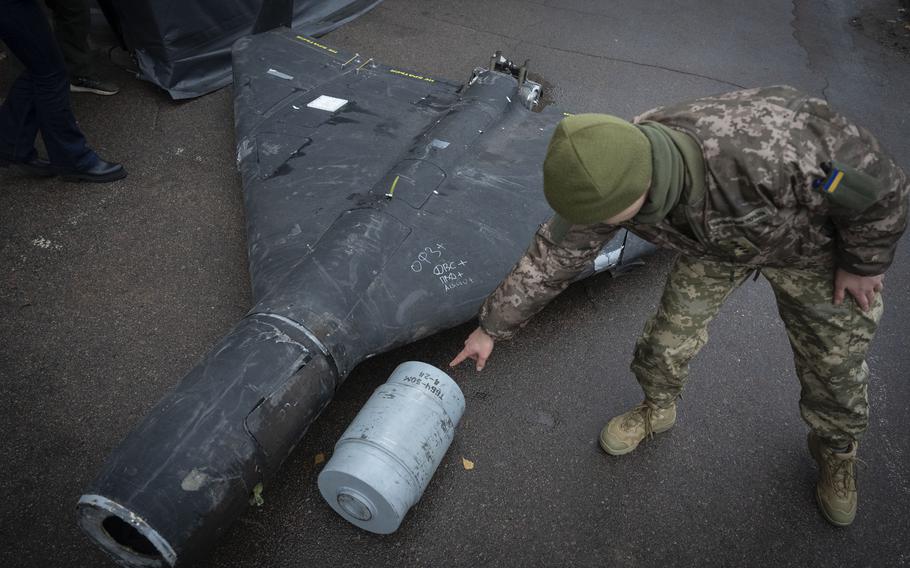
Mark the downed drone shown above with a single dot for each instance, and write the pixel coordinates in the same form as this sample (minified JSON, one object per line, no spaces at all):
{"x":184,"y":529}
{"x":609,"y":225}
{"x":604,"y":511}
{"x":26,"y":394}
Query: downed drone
{"x":382,"y":206}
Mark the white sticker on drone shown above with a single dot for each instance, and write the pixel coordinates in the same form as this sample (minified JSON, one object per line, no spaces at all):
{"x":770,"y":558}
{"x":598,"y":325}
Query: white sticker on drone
{"x":325,"y":102}
{"x":279,"y":74}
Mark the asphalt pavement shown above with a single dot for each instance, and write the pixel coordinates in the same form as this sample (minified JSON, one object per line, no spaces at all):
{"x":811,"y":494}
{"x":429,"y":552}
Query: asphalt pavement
{"x":111,"y":293}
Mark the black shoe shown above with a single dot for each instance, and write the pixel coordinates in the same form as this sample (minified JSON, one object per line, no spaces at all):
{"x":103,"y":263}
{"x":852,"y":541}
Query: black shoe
{"x":101,"y":172}
{"x":36,"y":166}
{"x":93,"y":85}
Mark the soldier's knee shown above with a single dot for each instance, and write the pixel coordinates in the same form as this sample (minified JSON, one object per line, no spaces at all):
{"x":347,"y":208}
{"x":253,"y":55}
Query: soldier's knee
{"x":837,"y":370}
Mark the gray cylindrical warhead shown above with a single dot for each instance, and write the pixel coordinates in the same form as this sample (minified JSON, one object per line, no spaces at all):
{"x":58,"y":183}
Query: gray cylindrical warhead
{"x":384,"y":460}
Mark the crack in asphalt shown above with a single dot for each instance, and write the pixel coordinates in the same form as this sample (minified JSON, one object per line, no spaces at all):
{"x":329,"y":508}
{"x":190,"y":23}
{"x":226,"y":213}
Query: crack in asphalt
{"x":811,"y":60}
{"x":157,"y":115}
{"x":588,"y":54}
{"x":524,"y":30}
{"x":640,"y":64}
{"x":383,"y":8}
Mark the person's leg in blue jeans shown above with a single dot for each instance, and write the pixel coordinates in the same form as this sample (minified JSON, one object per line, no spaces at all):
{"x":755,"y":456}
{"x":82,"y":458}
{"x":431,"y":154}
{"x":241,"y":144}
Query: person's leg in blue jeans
{"x":39,"y":100}
{"x":40,"y":96}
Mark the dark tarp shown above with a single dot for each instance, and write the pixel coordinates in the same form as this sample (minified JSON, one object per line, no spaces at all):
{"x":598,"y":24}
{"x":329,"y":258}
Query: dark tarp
{"x":184,"y":47}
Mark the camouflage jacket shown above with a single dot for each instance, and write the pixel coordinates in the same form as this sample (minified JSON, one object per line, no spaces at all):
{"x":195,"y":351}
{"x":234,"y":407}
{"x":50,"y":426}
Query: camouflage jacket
{"x":762,"y":151}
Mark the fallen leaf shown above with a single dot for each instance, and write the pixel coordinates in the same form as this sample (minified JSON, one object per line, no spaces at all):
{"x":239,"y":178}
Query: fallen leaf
{"x":320,"y":457}
{"x":468,"y":464}
{"x":256,"y":497}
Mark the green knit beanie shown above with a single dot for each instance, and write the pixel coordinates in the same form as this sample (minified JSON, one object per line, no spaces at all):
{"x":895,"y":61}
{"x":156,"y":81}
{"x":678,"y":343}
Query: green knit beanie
{"x":597,"y":165}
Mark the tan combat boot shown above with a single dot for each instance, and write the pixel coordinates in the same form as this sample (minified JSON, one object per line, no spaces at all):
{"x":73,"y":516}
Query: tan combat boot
{"x":623,"y":433}
{"x":836,"y":487}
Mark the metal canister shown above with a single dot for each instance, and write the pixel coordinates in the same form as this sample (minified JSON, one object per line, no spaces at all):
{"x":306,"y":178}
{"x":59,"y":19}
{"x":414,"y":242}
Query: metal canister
{"x":384,"y":460}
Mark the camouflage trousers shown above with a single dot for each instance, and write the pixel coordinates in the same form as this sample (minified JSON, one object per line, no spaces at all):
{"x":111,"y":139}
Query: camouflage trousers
{"x":829,"y":342}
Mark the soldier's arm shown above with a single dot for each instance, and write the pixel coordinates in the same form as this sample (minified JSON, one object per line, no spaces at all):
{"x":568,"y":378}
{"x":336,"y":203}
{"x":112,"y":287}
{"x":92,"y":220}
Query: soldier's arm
{"x":869,"y":218}
{"x":557,"y":254}
{"x":868,"y":231}
{"x":867,"y":240}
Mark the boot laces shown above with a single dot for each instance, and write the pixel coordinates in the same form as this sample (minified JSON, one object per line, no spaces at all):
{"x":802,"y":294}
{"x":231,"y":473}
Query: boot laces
{"x":641,"y":412}
{"x":842,"y":473}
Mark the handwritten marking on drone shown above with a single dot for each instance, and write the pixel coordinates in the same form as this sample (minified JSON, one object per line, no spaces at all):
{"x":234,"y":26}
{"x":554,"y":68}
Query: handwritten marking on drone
{"x":450,"y":273}
{"x":427,"y":256}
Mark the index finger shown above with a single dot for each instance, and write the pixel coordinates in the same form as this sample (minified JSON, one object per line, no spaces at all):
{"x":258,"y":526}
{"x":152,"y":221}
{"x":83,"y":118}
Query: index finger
{"x":459,"y":358}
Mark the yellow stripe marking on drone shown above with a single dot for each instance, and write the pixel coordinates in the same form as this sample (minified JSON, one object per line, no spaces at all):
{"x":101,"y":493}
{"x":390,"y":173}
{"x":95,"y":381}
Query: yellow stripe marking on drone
{"x":392,"y":191}
{"x":315,"y":44}
{"x":411,"y":75}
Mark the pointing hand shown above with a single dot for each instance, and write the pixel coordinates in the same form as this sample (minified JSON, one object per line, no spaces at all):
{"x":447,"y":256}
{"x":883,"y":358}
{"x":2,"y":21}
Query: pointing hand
{"x":478,"y":347}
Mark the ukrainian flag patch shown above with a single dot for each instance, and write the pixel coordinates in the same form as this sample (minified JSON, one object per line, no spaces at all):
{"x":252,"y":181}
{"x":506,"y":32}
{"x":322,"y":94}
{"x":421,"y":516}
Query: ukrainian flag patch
{"x":833,"y":180}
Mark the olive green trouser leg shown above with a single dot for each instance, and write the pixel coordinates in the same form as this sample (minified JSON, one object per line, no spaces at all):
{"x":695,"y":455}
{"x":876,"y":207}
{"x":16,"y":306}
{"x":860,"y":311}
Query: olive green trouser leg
{"x":829,"y":348}
{"x":694,"y":292}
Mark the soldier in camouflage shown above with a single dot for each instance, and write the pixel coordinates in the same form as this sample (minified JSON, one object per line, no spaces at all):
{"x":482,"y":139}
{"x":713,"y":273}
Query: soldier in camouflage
{"x":766,"y":180}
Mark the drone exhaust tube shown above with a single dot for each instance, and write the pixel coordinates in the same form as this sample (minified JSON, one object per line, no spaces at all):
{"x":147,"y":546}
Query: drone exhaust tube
{"x":189,"y":468}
